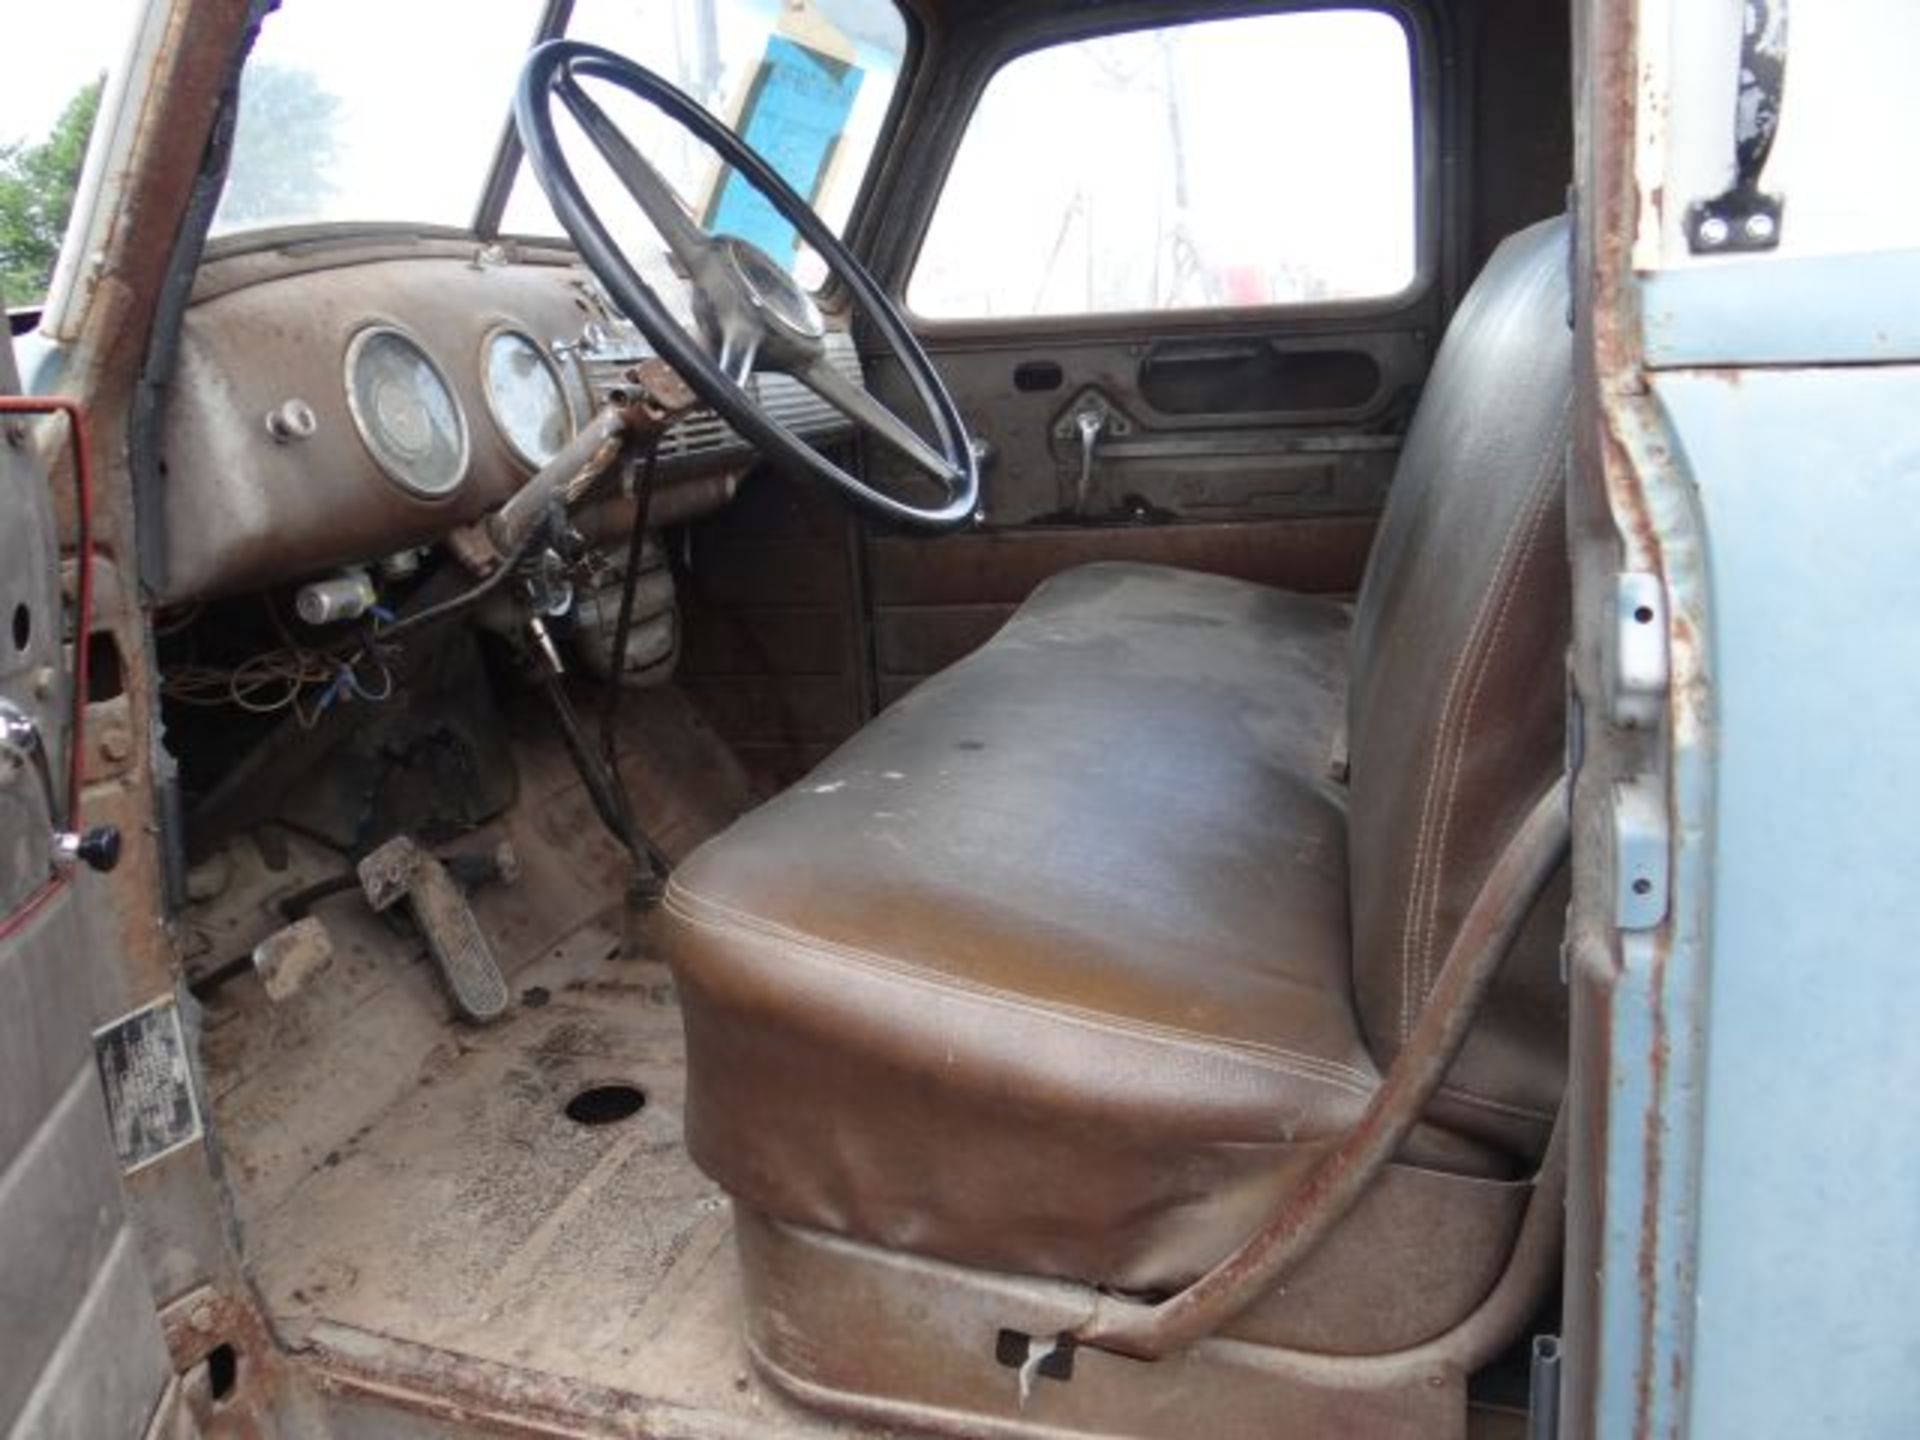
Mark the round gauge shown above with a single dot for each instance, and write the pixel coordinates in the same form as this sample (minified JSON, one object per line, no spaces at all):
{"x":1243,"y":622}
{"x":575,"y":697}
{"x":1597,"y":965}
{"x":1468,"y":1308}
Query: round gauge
{"x":526,"y":396}
{"x":405,"y":412}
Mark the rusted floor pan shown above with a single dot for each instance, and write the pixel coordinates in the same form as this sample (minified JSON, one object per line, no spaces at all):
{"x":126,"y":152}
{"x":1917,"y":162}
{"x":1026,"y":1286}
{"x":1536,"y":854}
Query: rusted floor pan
{"x":429,"y":1230}
{"x":476,"y":1239}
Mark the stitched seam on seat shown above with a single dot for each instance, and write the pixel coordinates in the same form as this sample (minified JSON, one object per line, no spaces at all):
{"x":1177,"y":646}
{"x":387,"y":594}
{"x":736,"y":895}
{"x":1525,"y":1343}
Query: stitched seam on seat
{"x":1305,"y":1067}
{"x":1535,"y":515}
{"x":753,"y":924}
{"x":1416,"y":897}
{"x":1474,"y":1100}
{"x":1424,"y":896}
{"x":1333,"y":1073}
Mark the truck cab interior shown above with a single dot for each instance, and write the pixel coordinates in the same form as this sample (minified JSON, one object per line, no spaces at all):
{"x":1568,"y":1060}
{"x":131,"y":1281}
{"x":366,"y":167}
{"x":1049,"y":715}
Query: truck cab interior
{"x":854,"y":719}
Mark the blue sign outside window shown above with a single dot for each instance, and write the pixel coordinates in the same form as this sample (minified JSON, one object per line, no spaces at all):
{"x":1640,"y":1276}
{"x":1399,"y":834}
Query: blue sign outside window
{"x":795,"y":114}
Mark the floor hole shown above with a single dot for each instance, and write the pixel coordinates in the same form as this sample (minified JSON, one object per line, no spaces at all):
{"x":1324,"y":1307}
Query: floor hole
{"x":606,"y":1104}
{"x":22,"y":626}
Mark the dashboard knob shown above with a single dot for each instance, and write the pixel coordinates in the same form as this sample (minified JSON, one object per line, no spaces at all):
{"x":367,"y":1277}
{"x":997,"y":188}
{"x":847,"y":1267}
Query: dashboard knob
{"x":292,"y":420}
{"x":97,"y":847}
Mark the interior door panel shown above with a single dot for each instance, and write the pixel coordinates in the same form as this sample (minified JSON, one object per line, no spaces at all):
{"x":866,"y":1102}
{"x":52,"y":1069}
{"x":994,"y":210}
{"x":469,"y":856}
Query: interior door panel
{"x":1262,"y":453}
{"x":81,"y":1353}
{"x":1204,"y":426}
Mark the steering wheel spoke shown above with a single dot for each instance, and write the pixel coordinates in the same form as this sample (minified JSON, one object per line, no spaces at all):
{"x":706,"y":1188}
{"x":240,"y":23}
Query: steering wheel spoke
{"x":657,"y":199}
{"x":859,"y":406}
{"x":749,"y":311}
{"x":737,"y":351}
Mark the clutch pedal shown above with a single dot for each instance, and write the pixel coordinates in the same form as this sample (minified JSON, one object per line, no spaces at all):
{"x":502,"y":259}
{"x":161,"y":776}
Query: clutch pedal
{"x":401,"y":870}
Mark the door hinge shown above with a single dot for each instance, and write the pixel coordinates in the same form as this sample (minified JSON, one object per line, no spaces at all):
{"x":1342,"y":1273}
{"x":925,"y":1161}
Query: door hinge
{"x":1636,"y":669}
{"x":1640,"y":852}
{"x":1745,"y":217}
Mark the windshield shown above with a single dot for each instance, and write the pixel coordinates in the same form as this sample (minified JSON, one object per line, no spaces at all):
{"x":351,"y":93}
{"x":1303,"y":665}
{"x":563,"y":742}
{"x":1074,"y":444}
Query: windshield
{"x":391,"y":111}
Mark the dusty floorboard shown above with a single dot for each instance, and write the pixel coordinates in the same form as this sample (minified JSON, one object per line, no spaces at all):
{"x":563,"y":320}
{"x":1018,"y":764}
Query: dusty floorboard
{"x":413,"y":1198}
{"x":473,"y":1218}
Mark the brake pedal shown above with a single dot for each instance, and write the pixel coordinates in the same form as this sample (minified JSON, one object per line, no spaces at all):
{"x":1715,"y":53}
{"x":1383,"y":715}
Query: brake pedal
{"x":401,"y":870}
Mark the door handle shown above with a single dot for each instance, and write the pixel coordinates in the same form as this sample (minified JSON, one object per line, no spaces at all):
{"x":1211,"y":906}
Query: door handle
{"x":20,"y":741}
{"x":97,"y":847}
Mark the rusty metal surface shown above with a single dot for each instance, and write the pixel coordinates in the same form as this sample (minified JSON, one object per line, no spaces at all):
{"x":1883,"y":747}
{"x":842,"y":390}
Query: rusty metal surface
{"x":248,"y":1391}
{"x":651,"y":397}
{"x":359,"y":1036}
{"x":472,"y":1396}
{"x":242,"y":510}
{"x":266,"y":257}
{"x":180,"y":1209}
{"x":1636,"y":1052}
{"x":472,"y":1247}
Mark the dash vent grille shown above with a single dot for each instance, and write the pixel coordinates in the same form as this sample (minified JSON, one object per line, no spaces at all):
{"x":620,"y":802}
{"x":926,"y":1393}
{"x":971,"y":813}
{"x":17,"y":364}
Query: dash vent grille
{"x":704,"y":433}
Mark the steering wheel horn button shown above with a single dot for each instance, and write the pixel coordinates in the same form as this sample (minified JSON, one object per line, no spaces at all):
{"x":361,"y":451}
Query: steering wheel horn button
{"x":770,"y":291}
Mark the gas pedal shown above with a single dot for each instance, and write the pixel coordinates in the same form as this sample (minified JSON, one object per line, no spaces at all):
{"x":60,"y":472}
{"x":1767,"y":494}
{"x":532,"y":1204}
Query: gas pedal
{"x":399,"y":870}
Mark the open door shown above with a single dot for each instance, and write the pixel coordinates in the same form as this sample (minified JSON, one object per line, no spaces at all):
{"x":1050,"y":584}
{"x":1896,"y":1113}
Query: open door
{"x":81,"y":1353}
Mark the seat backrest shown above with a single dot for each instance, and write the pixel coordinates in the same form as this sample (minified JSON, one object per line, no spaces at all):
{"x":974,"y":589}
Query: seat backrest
{"x":1456,"y":714}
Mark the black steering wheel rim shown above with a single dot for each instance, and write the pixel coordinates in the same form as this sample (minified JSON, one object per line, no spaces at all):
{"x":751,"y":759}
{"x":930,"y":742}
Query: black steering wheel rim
{"x":558,"y":62}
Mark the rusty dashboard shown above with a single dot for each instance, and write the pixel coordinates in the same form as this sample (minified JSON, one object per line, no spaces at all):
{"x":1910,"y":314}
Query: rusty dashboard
{"x":338,"y":406}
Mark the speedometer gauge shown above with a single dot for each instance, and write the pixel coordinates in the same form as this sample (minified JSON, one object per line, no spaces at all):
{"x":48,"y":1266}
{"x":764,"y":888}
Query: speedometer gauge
{"x":526,"y":396}
{"x":405,"y":412}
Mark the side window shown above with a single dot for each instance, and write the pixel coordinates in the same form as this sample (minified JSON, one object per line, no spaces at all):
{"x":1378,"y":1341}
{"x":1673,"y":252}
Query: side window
{"x":1266,"y":160}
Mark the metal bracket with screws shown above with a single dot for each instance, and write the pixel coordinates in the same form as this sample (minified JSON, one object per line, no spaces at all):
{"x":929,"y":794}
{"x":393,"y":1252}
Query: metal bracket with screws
{"x":1744,"y":218}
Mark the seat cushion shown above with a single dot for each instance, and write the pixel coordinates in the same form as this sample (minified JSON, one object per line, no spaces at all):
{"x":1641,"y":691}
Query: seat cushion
{"x":1047,"y":969}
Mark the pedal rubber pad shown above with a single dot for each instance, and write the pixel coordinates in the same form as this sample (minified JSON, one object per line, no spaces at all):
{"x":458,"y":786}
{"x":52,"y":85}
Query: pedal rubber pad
{"x":400,"y":869}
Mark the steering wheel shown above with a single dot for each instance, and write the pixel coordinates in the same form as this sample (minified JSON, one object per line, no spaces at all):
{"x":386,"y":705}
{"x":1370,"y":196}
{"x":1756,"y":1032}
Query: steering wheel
{"x":751,"y":314}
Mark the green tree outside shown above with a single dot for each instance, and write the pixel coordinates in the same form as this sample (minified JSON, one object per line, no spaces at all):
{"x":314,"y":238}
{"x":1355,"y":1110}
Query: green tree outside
{"x":284,"y":146}
{"x":36,"y":198}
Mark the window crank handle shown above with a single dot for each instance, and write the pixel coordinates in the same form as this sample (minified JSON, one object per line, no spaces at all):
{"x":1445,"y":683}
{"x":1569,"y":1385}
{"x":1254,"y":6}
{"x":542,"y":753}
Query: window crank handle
{"x":1091,"y":421}
{"x":20,"y":736}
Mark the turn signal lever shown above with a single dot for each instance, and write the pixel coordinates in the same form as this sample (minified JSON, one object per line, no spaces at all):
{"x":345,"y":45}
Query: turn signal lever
{"x":98,"y":847}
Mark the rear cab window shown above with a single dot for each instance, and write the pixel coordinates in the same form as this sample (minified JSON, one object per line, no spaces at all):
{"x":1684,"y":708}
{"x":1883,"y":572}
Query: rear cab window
{"x":1267,"y":160}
